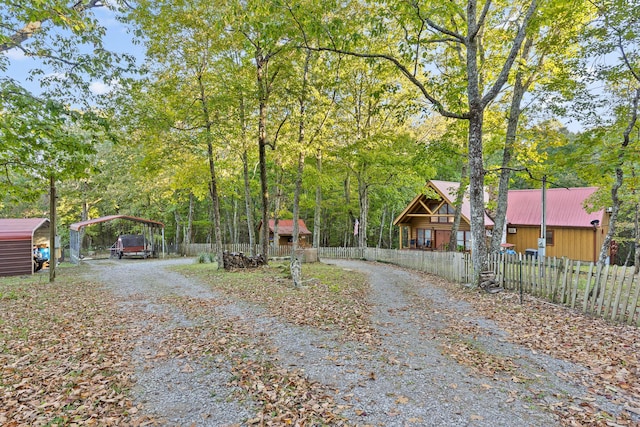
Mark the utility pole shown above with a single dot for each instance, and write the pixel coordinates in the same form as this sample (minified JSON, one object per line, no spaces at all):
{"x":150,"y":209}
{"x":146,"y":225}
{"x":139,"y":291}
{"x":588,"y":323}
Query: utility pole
{"x":542,"y":241}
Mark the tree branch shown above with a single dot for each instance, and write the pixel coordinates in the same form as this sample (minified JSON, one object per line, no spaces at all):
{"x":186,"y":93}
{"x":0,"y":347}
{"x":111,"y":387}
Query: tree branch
{"x":513,"y":54}
{"x":457,"y":37}
{"x":31,"y":28}
{"x":437,"y":104}
{"x":275,"y":138}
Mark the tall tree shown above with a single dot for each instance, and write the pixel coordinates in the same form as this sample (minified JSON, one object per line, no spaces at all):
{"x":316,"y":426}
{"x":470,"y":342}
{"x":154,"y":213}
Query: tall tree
{"x":427,"y":31}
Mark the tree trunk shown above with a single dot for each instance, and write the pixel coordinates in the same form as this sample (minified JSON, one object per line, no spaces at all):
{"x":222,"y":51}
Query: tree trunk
{"x":188,"y":235}
{"x":317,"y":210}
{"x":636,"y":241}
{"x":476,"y":195}
{"x":382,"y":221}
{"x":363,"y":193}
{"x":350,"y":218}
{"x":213,"y":184}
{"x":52,"y":228}
{"x":462,"y":189}
{"x":236,"y":226}
{"x":176,"y":215}
{"x":391,"y":230}
{"x":261,"y":71}
{"x":604,"y":250}
{"x":301,"y":142}
{"x":519,"y":89}
{"x":248,"y":202}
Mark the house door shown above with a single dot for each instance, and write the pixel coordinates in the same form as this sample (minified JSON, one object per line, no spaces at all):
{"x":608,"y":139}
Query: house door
{"x":442,"y":239}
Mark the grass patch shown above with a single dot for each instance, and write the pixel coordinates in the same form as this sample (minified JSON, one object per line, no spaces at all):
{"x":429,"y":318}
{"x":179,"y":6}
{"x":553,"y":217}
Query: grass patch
{"x":334,"y":298}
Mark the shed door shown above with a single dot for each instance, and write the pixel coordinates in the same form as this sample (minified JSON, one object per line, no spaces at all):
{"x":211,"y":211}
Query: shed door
{"x":442,"y":239}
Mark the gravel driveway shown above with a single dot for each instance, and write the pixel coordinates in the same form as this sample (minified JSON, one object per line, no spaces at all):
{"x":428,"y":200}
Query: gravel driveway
{"x":405,"y":381}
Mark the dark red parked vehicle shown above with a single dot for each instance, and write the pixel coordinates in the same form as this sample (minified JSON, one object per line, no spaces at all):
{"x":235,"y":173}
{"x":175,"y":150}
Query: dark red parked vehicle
{"x":131,"y":245}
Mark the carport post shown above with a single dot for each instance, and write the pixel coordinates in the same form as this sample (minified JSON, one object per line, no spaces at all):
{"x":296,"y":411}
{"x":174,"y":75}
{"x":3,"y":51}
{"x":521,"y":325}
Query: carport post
{"x":52,"y":229}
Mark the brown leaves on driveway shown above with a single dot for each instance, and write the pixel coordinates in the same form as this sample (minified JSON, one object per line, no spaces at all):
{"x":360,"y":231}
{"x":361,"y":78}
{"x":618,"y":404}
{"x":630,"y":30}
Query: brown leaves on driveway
{"x":63,"y":356}
{"x":65,"y":349}
{"x":609,"y":352}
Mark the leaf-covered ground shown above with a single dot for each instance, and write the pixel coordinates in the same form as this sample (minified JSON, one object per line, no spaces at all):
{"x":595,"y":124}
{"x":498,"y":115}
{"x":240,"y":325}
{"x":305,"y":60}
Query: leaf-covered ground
{"x":65,"y":348}
{"x":609,"y":352}
{"x":64,"y":355}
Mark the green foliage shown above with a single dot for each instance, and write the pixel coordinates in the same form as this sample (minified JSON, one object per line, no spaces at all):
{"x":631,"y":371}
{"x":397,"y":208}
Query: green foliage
{"x":205,"y":258}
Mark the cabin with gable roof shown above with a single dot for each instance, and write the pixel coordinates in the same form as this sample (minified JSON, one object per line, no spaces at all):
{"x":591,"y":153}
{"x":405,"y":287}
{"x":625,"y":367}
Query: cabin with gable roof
{"x":426,"y":222}
{"x":573,"y":231}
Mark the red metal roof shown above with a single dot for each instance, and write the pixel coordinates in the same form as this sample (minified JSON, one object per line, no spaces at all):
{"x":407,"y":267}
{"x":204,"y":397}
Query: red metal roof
{"x":78,"y":225}
{"x":285,"y":227}
{"x":20,"y":228}
{"x":565,"y":207}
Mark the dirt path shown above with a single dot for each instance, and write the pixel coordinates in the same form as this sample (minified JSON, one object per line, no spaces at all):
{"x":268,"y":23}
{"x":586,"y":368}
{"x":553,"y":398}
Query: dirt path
{"x":408,"y":380}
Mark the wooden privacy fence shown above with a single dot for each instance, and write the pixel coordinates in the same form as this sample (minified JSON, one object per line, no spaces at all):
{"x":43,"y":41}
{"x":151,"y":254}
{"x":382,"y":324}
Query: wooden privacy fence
{"x":610,"y":292}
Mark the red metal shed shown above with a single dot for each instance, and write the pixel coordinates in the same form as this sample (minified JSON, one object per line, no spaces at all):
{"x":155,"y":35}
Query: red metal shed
{"x":17,"y":238}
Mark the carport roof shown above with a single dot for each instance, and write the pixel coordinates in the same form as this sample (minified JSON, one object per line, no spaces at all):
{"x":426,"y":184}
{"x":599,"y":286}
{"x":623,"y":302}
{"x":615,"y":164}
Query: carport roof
{"x":20,"y":228}
{"x":78,"y":225}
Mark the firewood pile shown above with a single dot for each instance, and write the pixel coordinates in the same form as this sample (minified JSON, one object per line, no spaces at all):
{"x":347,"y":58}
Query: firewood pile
{"x":488,"y":282}
{"x":235,"y":260}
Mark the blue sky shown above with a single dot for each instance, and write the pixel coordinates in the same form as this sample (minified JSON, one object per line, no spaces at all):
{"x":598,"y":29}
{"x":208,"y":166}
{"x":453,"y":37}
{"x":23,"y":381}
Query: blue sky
{"x":116,"y":39}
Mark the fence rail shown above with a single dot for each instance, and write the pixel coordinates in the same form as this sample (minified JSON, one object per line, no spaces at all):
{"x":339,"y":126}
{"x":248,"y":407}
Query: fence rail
{"x":611,"y":292}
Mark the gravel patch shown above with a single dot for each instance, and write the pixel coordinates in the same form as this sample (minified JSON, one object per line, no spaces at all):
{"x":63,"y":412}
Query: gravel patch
{"x":407,"y":380}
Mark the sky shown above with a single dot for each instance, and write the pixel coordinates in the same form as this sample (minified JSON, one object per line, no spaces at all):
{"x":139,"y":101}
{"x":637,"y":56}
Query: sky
{"x":116,"y":39}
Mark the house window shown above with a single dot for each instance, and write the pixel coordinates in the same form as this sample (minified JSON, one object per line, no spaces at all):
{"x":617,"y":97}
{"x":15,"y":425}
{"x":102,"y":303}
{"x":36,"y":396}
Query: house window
{"x":464,"y":241}
{"x":549,"y":240}
{"x":404,"y":237}
{"x":423,"y":238}
{"x":447,"y":210}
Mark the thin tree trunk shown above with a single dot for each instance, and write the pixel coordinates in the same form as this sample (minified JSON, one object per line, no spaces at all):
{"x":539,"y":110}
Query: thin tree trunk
{"x":462,"y":189}
{"x":53,"y":220}
{"x":188,"y":236}
{"x":301,"y":143}
{"x":391,"y":230}
{"x":382,"y":220}
{"x":261,"y":75}
{"x":213,"y":184}
{"x":519,"y":89}
{"x":235,"y":237}
{"x":363,"y":193}
{"x":176,"y":215}
{"x":317,"y":210}
{"x":636,"y":242}
{"x":248,"y":203}
{"x":606,"y":244}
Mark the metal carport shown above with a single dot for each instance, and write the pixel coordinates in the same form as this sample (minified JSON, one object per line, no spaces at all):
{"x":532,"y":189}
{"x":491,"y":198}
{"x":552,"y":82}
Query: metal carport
{"x":75,"y":235}
{"x":17,"y":238}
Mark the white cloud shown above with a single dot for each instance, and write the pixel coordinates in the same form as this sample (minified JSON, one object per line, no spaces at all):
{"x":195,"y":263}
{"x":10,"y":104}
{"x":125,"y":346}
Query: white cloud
{"x":100,"y":88}
{"x":15,"y":54}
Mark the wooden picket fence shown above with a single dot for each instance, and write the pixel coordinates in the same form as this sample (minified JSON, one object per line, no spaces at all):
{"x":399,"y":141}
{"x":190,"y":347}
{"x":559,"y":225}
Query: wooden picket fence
{"x":454,"y":266}
{"x":611,"y":292}
{"x":195,"y":249}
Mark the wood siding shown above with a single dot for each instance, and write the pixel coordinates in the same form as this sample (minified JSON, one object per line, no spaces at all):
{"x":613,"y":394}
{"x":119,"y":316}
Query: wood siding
{"x":580,"y":244}
{"x":16,"y":257}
